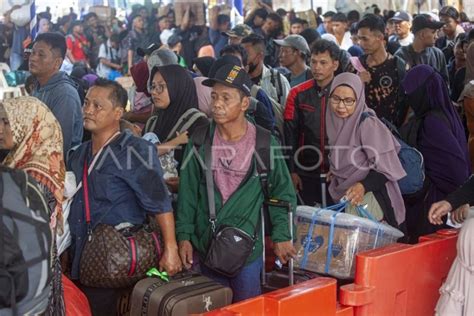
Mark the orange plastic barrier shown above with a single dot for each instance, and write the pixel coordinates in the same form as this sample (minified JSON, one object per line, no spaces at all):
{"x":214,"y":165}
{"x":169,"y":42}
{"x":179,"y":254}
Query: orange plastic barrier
{"x":316,"y":297}
{"x":397,"y":280}
{"x":401,"y":279}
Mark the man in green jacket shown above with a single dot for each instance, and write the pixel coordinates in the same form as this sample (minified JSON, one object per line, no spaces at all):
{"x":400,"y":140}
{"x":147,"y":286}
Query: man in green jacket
{"x":238,"y":191}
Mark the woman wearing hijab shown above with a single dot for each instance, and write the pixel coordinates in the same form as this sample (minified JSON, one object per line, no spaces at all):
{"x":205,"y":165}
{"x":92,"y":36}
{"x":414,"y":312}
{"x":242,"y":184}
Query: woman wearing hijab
{"x":467,"y":99}
{"x":364,"y":159}
{"x":36,"y":146}
{"x":439,"y":136}
{"x":173,"y":93}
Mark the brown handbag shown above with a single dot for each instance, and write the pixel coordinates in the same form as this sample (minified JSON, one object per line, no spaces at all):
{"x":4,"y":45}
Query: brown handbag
{"x":114,"y":258}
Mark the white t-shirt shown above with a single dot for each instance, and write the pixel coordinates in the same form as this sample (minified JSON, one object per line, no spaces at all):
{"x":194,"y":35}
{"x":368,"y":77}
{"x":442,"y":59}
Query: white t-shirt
{"x":346,"y":41}
{"x":109,"y":53}
{"x":407,"y":40}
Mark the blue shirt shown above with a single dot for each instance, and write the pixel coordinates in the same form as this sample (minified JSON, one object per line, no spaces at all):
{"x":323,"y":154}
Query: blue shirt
{"x":20,"y":33}
{"x":217,"y":40}
{"x":125,"y":184}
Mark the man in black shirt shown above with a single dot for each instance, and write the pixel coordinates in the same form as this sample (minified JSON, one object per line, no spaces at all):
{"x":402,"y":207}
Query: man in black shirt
{"x":381,"y":72}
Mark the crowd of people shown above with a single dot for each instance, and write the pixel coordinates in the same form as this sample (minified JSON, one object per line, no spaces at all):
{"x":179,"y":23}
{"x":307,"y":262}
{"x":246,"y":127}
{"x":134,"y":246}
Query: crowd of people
{"x":203,"y":96}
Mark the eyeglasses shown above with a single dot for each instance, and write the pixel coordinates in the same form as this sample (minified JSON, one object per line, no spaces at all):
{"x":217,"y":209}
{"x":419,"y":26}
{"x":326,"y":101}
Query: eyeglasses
{"x":347,"y":101}
{"x":159,"y":88}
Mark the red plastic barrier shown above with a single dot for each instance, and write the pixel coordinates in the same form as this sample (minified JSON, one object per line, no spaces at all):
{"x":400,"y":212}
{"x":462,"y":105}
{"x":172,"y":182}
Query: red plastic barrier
{"x":397,"y":280}
{"x":401,"y":279}
{"x":316,"y":297}
{"x":76,"y":302}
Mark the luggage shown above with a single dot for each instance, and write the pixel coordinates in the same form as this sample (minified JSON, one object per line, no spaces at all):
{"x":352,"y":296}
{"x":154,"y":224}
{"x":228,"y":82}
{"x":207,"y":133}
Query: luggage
{"x":190,"y":293}
{"x":278,"y":279}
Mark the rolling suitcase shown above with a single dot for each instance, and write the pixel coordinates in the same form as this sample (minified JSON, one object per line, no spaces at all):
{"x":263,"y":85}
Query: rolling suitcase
{"x":190,"y":293}
{"x":283,"y":276}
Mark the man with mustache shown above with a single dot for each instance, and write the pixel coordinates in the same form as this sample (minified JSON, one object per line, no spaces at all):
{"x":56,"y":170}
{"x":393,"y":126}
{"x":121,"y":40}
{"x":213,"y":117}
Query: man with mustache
{"x":238,"y":190}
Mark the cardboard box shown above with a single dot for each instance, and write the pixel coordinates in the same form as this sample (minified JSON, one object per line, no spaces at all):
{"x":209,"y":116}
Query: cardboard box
{"x":197,"y":7}
{"x":104,"y":13}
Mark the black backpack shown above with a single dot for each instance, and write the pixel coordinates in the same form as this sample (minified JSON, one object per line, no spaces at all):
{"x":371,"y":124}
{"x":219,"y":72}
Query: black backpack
{"x":25,"y":248}
{"x":263,"y":155}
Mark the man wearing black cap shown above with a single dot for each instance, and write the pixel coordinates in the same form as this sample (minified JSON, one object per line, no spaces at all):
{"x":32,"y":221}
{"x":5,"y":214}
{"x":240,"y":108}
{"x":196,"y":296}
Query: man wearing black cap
{"x":402,"y":21}
{"x":238,"y":191}
{"x":293,"y":53}
{"x":422,"y":51}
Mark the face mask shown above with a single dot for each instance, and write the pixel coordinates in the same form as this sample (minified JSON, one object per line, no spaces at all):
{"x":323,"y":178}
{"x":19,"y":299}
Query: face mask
{"x":252,"y":67}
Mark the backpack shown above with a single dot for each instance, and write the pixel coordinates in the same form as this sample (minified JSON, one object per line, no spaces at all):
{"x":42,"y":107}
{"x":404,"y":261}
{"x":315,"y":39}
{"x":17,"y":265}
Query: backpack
{"x":277,"y":110}
{"x":263,"y":155}
{"x":186,"y":120}
{"x":25,"y":250}
{"x":411,"y":159}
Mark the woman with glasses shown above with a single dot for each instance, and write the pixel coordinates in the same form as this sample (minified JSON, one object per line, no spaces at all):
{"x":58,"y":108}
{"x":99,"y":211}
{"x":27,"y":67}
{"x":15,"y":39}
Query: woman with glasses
{"x":173,"y":93}
{"x":364,"y":163}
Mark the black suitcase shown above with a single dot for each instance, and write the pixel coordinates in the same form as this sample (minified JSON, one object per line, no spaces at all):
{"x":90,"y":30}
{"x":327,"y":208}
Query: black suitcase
{"x":279,"y":278}
{"x":190,"y":293}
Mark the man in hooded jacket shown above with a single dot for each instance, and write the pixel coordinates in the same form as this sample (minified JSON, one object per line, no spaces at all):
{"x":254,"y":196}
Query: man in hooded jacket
{"x":55,"y":88}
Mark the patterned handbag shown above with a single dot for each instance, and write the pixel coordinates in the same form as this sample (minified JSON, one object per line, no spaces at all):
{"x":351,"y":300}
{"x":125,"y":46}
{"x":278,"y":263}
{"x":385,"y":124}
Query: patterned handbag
{"x":118,"y":259}
{"x":114,"y":258}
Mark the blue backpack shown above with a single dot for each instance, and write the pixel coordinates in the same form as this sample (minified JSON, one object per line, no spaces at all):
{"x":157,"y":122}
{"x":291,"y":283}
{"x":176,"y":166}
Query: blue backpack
{"x":410,"y":158}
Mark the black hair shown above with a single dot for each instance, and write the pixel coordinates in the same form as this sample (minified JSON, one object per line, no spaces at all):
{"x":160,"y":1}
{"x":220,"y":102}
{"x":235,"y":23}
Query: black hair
{"x":339,"y":17}
{"x":118,"y":95}
{"x":223,"y":18}
{"x":261,"y":13}
{"x":275,"y":17}
{"x":233,"y":50}
{"x":329,"y":14}
{"x":463,"y":17}
{"x":310,"y":35}
{"x":90,"y":15}
{"x":353,"y":28}
{"x":376,"y":10}
{"x":470,"y":36}
{"x":372,"y":22}
{"x":353,"y":16}
{"x":321,"y":46}
{"x":162,"y":18}
{"x":115,"y":38}
{"x":64,"y":20}
{"x":55,"y":40}
{"x":255,"y":40}
{"x":449,"y":11}
{"x":297,"y":21}
{"x":281,"y":12}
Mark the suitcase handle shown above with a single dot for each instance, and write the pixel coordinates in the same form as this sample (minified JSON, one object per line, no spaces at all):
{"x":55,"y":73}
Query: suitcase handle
{"x":287,"y":205}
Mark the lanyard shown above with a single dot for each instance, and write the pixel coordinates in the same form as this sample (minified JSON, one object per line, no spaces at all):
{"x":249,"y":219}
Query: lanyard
{"x":86,"y":171}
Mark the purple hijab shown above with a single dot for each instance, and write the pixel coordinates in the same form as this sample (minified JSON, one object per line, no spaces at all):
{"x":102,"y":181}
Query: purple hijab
{"x":442,"y":141}
{"x":351,"y":164}
{"x":426,"y":90}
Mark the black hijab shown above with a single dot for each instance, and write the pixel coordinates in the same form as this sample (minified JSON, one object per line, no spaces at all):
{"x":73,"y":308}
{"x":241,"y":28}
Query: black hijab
{"x":183,"y":96}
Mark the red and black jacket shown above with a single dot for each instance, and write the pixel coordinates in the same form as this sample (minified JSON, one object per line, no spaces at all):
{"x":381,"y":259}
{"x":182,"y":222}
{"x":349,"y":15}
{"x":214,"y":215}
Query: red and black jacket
{"x":305,"y":125}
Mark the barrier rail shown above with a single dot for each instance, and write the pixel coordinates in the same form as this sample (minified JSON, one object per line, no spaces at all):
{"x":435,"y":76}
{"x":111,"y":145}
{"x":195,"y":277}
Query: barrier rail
{"x":396,"y":280}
